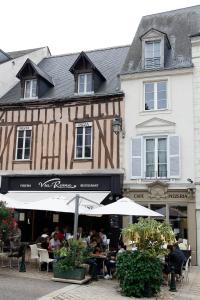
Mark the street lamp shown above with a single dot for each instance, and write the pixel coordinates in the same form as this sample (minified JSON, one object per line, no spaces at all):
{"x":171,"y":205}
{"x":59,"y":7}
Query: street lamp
{"x":117,"y":124}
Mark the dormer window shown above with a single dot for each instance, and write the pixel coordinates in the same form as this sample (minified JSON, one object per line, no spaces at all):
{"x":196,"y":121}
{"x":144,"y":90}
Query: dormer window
{"x":85,"y":85}
{"x":30,"y":88}
{"x":155,"y":47}
{"x":152,"y":54}
{"x":87,"y":78}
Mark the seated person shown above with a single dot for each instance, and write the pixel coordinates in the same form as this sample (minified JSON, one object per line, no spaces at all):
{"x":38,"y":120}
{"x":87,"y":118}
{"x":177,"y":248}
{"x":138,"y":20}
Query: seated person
{"x":60,"y":235}
{"x":54,"y":243}
{"x":110,"y":262}
{"x":67,"y":234}
{"x":45,"y":242}
{"x":103,"y":240}
{"x":95,"y":252}
{"x":175,"y":259}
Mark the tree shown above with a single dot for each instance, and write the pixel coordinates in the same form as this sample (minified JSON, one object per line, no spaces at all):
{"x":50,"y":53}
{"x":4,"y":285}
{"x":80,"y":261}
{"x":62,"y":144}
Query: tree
{"x":7,"y":221}
{"x":149,"y":234}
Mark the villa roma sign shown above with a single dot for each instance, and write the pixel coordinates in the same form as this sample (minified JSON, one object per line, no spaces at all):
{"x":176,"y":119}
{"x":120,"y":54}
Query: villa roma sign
{"x":88,"y":182}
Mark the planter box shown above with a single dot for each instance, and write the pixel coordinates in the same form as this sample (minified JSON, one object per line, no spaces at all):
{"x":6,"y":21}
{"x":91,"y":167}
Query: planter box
{"x":76,"y":274}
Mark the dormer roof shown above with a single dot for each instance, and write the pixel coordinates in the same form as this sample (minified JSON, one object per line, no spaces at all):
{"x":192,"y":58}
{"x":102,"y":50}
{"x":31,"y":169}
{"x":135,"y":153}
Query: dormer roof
{"x":36,"y":69}
{"x":84,"y":57}
{"x":178,"y":25}
{"x":153,"y":33}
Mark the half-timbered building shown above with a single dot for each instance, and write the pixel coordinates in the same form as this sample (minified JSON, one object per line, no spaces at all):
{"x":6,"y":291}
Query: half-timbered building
{"x":56,"y":130}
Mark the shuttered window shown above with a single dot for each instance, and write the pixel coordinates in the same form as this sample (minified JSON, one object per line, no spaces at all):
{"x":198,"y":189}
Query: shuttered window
{"x":155,"y":157}
{"x":152,"y":54}
{"x":174,"y":156}
{"x":136,"y":157}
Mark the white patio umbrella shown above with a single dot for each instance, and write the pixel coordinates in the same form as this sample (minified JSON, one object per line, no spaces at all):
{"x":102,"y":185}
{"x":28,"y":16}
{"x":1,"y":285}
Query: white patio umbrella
{"x":125,"y":207}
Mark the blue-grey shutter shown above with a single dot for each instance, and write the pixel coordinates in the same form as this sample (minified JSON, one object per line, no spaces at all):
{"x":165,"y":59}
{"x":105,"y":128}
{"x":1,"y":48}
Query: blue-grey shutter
{"x":174,"y":156}
{"x":136,"y":158}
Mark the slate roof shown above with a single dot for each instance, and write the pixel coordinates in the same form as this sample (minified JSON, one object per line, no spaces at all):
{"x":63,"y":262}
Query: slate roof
{"x":16,"y":54}
{"x":179,"y":25}
{"x":108,"y":61}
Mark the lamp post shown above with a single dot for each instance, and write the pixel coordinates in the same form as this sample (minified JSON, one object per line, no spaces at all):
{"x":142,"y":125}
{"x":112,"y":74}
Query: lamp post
{"x":76,"y":216}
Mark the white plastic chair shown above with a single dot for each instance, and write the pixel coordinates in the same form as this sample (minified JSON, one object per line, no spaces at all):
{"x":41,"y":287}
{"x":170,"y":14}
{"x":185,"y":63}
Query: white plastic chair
{"x":34,"y":253}
{"x":44,"y":257}
{"x":185,"y":270}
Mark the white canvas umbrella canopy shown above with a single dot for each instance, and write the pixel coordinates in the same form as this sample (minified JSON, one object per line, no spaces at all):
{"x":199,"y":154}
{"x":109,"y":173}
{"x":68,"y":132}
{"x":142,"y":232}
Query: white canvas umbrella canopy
{"x":125,"y":207}
{"x":58,"y":202}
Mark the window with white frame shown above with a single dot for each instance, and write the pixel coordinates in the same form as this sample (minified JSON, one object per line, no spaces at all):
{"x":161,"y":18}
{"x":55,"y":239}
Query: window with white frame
{"x":83,"y":140}
{"x":23,"y":146}
{"x":85,"y":84}
{"x":30,"y":88}
{"x":155,"y":95}
{"x":152,"y":54}
{"x":156,"y":157}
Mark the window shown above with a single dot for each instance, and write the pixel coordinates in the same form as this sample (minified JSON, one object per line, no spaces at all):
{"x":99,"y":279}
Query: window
{"x":152,"y":54}
{"x":83,"y":140}
{"x":30,"y":88}
{"x":85,"y":85}
{"x":23,"y":148}
{"x":155,"y":94}
{"x":156,"y":157}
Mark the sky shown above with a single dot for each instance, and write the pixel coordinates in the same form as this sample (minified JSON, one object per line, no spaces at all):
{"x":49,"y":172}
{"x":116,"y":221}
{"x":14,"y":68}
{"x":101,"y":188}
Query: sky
{"x":68,"y":26}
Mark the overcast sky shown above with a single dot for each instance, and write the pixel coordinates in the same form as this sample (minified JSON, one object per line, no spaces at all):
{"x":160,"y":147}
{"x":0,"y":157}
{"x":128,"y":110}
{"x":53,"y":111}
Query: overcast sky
{"x":74,"y":25}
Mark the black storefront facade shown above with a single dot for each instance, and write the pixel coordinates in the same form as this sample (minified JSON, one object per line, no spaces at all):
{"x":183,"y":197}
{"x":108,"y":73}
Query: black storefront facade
{"x":33,"y":222}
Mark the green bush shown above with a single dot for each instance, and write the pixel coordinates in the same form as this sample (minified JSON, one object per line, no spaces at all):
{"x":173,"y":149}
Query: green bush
{"x":7,"y":222}
{"x":71,"y":256}
{"x":139,"y":273}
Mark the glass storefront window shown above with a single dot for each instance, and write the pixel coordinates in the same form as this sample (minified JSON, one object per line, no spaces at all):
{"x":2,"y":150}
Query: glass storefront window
{"x":161,"y":209}
{"x":178,"y":221}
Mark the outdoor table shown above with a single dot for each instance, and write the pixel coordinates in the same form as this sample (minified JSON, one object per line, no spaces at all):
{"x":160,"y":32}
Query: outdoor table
{"x":102,"y":258}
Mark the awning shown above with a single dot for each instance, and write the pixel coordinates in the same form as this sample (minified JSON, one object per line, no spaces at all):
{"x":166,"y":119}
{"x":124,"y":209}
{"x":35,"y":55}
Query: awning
{"x":54,"y":201}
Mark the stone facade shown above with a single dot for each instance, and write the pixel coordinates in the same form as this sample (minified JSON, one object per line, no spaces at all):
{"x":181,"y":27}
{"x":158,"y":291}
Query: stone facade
{"x":196,"y":101}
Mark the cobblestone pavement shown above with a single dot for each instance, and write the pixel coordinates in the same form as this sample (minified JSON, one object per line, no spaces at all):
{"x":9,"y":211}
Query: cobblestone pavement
{"x":20,"y":288}
{"x":109,"y":290}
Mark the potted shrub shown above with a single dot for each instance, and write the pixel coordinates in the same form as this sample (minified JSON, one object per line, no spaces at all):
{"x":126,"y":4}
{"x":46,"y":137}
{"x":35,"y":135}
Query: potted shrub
{"x":140,"y":272}
{"x":70,"y":260}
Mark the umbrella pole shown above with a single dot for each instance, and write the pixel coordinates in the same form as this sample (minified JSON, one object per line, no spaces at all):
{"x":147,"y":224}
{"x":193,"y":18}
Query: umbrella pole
{"x":76,"y":216}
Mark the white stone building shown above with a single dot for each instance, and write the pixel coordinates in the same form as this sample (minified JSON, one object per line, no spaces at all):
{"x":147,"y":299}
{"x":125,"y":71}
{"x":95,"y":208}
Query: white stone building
{"x":11,"y":63}
{"x":158,"y":79}
{"x":195,"y":42}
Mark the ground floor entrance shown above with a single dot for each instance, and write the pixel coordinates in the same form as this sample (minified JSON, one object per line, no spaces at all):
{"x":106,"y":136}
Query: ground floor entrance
{"x":176,"y":204}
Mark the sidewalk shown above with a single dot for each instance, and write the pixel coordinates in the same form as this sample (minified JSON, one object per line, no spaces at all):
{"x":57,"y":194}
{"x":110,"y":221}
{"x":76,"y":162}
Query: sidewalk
{"x":109,"y":289}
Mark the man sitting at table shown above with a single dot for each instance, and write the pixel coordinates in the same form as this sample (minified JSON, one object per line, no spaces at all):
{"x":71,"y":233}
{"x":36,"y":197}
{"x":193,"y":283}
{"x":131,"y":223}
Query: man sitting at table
{"x":54,"y":243}
{"x":175,"y":259}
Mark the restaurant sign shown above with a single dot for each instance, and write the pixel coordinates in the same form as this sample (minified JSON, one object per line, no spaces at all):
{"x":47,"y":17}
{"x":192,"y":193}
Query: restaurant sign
{"x":62,"y":183}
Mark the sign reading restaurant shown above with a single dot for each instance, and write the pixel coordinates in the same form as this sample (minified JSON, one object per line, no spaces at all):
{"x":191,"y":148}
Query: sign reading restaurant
{"x":108,"y":182}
